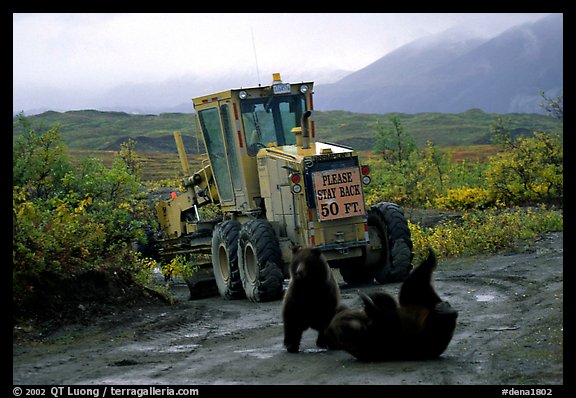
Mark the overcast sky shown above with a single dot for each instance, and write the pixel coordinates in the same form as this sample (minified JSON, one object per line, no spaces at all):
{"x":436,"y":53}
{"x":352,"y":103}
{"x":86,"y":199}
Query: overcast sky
{"x":95,"y":52}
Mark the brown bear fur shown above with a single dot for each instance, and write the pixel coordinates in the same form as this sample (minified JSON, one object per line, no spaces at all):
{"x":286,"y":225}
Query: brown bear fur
{"x":312,"y":298}
{"x":421,"y":325}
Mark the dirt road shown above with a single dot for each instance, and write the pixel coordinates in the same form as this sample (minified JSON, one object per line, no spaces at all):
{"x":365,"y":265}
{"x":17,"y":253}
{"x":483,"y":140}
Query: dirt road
{"x":510,"y":331}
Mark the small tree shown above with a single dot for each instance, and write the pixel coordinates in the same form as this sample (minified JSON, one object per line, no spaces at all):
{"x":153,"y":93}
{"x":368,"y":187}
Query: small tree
{"x":502,"y":133}
{"x":394,"y":144}
{"x":437,"y":163}
{"x":39,"y":161}
{"x":411,"y":176}
{"x":553,"y":106}
{"x":128,"y":155}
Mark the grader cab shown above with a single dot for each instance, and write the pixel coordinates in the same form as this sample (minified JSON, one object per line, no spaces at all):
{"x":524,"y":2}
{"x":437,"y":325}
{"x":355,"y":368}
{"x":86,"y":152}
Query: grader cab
{"x":277,"y":187}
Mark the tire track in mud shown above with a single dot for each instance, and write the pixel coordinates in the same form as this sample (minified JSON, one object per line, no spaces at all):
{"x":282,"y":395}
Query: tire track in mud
{"x":180,"y":341}
{"x":166,"y":333}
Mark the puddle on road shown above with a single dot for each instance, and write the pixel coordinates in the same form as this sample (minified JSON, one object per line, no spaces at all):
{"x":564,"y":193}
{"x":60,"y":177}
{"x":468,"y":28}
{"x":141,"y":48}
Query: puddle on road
{"x":181,"y":348}
{"x":314,"y":350}
{"x":266,"y":353}
{"x":139,"y":347}
{"x":485,"y":297}
{"x":261,"y":353}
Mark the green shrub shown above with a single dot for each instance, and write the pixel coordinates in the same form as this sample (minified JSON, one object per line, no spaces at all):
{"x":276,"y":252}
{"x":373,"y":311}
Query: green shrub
{"x":484,"y":232}
{"x":464,"y":199}
{"x":528,"y":171}
{"x":69,"y":221}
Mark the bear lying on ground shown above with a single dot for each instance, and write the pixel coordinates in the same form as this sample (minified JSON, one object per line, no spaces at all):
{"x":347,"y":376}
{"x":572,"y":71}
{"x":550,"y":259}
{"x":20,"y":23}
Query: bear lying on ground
{"x":312,"y":298}
{"x":420,"y":326}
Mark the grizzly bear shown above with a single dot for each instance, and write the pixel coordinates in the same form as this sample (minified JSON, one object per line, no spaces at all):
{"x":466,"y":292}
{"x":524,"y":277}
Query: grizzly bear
{"x":419,"y":326}
{"x":312,"y":298}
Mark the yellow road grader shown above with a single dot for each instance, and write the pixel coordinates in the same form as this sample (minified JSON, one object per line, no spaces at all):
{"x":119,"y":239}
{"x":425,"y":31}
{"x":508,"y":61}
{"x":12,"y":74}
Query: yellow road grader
{"x":277,"y":187}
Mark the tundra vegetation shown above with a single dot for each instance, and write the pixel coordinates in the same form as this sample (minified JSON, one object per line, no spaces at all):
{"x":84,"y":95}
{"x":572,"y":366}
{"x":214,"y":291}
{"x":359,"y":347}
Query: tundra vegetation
{"x":79,"y":215}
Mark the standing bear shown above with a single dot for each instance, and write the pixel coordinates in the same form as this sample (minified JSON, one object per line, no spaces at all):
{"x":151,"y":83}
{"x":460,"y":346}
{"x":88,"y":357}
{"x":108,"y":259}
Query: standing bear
{"x":312,"y":298}
{"x":419,"y":326}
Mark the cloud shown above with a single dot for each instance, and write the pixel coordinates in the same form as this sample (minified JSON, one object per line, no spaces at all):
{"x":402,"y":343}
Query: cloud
{"x":92,"y":53}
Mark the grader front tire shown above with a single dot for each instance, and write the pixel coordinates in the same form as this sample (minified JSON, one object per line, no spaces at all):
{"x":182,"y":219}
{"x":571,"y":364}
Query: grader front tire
{"x":225,"y":260}
{"x":260,"y":261}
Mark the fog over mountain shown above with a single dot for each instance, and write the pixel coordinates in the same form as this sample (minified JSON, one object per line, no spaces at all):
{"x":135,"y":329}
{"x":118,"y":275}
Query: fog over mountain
{"x":448,"y":72}
{"x":172,"y":95}
{"x":451,"y":72}
{"x":175,"y":95}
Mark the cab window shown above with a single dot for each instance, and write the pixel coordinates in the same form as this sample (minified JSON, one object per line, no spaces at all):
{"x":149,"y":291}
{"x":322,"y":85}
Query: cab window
{"x":269,"y":121}
{"x":210,"y":125}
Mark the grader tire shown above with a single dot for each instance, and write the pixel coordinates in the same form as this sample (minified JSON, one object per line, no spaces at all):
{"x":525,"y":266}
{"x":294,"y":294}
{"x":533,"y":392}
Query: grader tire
{"x":225,"y":260}
{"x":260,"y":261}
{"x":391,"y":226}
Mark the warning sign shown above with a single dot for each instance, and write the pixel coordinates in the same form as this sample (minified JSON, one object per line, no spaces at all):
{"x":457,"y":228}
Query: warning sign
{"x":338,"y":193}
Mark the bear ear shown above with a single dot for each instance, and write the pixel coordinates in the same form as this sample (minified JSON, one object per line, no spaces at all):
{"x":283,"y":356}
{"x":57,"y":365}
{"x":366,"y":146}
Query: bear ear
{"x":296,"y":249}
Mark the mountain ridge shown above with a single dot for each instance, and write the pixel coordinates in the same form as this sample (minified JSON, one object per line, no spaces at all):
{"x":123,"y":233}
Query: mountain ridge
{"x":503,"y":74}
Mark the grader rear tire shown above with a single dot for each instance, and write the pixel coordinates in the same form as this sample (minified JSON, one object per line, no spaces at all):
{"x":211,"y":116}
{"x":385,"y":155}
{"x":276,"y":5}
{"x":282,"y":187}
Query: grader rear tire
{"x":260,"y":261}
{"x":225,"y":260}
{"x":388,"y":222}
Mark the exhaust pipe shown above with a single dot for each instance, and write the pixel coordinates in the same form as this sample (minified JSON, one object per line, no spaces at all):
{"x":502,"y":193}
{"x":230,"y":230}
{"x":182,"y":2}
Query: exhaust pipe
{"x":305,"y":133}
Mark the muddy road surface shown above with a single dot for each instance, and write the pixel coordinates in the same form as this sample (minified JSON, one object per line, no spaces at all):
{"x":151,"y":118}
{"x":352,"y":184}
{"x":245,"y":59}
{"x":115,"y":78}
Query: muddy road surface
{"x":509,"y":331}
